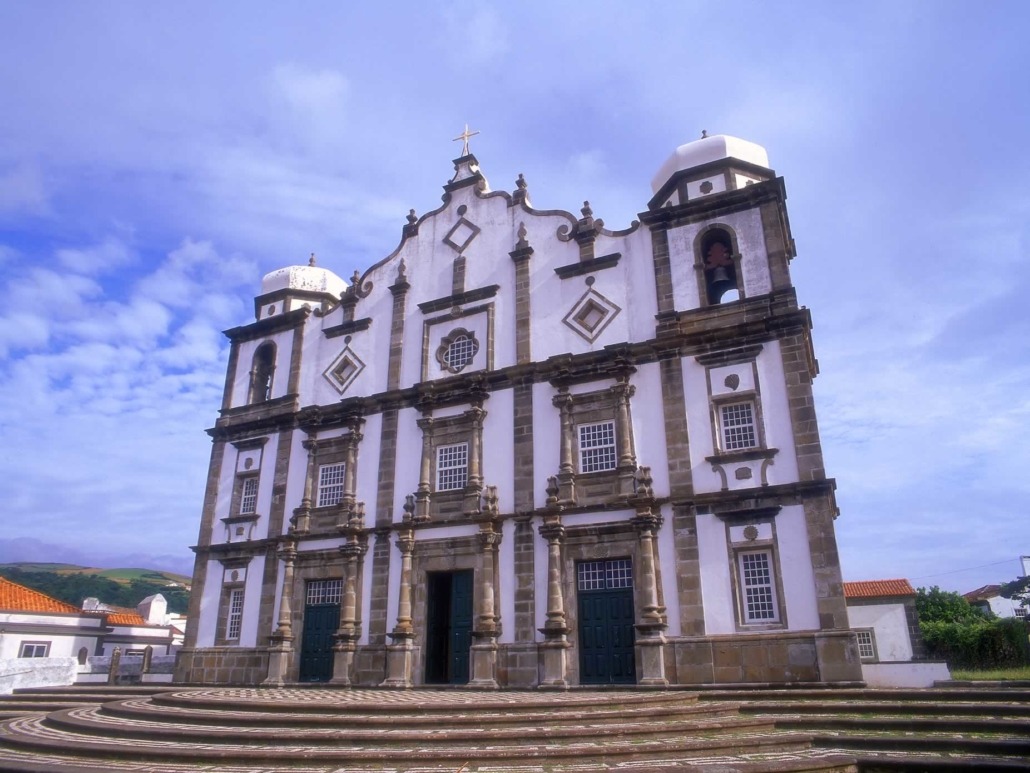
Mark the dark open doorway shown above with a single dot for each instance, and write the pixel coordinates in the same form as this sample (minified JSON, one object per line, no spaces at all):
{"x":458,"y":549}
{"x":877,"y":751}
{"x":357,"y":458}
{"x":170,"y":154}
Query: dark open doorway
{"x":448,"y":627}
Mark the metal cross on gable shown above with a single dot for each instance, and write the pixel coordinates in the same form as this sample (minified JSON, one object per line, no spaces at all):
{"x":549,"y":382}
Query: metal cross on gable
{"x":464,"y":137}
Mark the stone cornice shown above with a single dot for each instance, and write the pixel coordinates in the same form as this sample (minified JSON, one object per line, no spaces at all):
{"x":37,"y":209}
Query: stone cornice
{"x":268,"y":325}
{"x":715,"y":205}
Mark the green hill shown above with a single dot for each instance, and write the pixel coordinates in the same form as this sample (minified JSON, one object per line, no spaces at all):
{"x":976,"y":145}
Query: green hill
{"x":119,"y":587}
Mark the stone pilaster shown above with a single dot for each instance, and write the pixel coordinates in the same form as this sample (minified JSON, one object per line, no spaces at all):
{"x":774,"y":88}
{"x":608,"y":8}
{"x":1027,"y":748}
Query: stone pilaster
{"x":623,"y":391}
{"x":556,"y":644}
{"x":400,"y":654}
{"x":651,"y":628}
{"x":566,"y":468}
{"x":425,"y":483}
{"x":474,"y":486}
{"x":280,"y":651}
{"x":484,"y":651}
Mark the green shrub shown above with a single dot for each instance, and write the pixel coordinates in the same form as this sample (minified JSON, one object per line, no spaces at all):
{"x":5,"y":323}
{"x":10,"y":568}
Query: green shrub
{"x":981,"y":644}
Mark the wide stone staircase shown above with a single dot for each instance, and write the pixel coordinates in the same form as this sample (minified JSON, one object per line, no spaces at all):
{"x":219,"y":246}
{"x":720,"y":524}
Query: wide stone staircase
{"x":957,"y":726}
{"x":319,"y":729}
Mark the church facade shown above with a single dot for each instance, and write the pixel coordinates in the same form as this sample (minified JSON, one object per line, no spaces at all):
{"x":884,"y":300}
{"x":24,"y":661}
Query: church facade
{"x":526,"y":450}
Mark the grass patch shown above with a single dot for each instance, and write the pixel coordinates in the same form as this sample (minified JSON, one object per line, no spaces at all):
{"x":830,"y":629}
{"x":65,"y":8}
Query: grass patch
{"x":996,"y":675}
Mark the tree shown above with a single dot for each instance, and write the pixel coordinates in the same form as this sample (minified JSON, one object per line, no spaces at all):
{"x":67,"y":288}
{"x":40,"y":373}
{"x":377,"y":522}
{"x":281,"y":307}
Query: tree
{"x":940,"y":606}
{"x":1017,"y":590}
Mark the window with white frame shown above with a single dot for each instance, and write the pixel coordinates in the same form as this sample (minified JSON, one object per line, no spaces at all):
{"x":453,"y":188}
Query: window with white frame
{"x":597,"y":447}
{"x":866,"y":644}
{"x":757,"y":587}
{"x":737,"y":422}
{"x":1020,"y":612}
{"x":323,"y":592}
{"x":330,"y":484}
{"x":34,"y":649}
{"x":452,"y":467}
{"x":234,"y":620}
{"x":248,"y":496}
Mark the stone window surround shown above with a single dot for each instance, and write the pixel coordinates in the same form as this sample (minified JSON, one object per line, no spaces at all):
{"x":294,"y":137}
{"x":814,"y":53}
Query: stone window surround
{"x":734,"y":549}
{"x":716,"y":402}
{"x":470,"y":348}
{"x":222,"y":623}
{"x":466,"y":427}
{"x":332,"y":450}
{"x":455,"y":314}
{"x":608,"y":404}
{"x":699,"y":261}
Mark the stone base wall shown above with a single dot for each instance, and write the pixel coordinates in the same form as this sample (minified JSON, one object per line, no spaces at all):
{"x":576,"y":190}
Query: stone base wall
{"x":221,"y":665}
{"x":769,"y":658}
{"x":777,"y":658}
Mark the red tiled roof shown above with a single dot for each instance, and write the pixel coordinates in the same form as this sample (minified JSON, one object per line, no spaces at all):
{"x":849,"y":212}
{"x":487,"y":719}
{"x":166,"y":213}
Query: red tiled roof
{"x":983,"y":593}
{"x":18,"y":598}
{"x":878,"y":588}
{"x":125,"y":618}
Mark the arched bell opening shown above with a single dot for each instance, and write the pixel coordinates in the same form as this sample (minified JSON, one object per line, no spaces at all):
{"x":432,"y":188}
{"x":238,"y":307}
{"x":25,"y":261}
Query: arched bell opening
{"x":719,"y":267}
{"x":261,"y":373}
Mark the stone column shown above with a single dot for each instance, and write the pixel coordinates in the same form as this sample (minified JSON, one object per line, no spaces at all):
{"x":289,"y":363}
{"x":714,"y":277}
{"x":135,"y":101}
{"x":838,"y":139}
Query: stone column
{"x":400,"y":655}
{"x":555,"y":629}
{"x":425,"y":483}
{"x":347,"y":635}
{"x":281,"y":641}
{"x":302,"y":515}
{"x":651,"y":628}
{"x":474,"y":486}
{"x":624,"y":436}
{"x":484,"y":651}
{"x":566,"y":468}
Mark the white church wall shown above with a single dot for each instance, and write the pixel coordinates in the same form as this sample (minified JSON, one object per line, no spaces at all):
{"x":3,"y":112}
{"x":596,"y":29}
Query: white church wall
{"x":546,"y":441}
{"x":252,"y":602}
{"x":297,"y":470}
{"x":408,"y":459}
{"x":798,"y":577}
{"x":498,"y":450}
{"x":366,"y":484}
{"x":779,"y":432}
{"x":283,"y":341}
{"x":716,"y":587}
{"x":210,"y":599}
{"x":647,"y":408}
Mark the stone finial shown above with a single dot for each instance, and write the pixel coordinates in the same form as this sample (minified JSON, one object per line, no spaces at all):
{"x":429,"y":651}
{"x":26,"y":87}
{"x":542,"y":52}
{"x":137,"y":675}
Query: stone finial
{"x":704,"y":134}
{"x":587,"y":211}
{"x":490,"y":499}
{"x":552,"y":490}
{"x":412,"y":217}
{"x":409,"y":507}
{"x":402,"y":269}
{"x":522,"y":243}
{"x":520,"y":183}
{"x":355,"y":279}
{"x":311,"y":260}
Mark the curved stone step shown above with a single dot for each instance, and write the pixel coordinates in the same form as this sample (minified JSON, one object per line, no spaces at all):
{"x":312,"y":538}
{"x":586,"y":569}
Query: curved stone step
{"x":99,"y":721}
{"x":35,"y":734}
{"x":828,"y":708}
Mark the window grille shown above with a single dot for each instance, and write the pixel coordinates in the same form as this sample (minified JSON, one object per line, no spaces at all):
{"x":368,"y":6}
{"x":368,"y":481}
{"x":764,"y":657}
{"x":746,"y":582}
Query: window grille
{"x":248,"y":496}
{"x":234,"y":621}
{"x":604,"y":575}
{"x":323,"y":591}
{"x":866,"y":649}
{"x":330,"y":484}
{"x":597,"y":447}
{"x":738,"y":426}
{"x":452,"y":467}
{"x":756,"y":579}
{"x":460,"y":352}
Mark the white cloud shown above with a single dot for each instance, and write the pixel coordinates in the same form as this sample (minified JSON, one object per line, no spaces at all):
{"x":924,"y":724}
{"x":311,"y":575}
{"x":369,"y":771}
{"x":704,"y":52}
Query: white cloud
{"x":109,"y":254}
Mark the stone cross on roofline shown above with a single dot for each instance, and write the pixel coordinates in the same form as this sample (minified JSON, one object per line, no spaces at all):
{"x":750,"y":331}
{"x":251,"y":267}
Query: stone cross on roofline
{"x":464,"y":137}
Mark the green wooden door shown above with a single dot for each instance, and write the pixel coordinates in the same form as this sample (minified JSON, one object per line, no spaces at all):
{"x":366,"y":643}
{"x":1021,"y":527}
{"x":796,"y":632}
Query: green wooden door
{"x":448,"y":627}
{"x":321,"y":620}
{"x":606,"y":618}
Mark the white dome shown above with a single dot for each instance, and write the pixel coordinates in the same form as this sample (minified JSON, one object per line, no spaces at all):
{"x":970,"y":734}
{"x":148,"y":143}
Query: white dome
{"x":705,"y":150}
{"x":312,"y":278}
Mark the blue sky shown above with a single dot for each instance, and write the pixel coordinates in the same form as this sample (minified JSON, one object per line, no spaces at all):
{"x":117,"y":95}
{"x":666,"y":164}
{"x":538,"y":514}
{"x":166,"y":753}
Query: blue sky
{"x":157,"y":160}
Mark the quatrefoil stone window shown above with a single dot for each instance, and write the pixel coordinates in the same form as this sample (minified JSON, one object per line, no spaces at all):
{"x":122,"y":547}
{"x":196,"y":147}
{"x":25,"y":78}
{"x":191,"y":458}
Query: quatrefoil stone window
{"x":457,"y":350}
